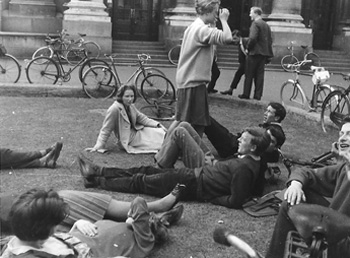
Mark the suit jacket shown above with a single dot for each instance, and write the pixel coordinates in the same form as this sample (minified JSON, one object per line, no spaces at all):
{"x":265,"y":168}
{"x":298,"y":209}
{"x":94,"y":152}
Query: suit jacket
{"x":117,"y":121}
{"x":260,"y":39}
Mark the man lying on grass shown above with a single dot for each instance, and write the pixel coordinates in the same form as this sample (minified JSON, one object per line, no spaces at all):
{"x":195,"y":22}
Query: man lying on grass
{"x":228,"y":183}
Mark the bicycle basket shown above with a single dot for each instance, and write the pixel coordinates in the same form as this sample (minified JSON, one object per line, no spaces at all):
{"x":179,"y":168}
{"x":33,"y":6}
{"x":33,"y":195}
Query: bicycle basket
{"x":320,"y":75}
{"x":2,"y":50}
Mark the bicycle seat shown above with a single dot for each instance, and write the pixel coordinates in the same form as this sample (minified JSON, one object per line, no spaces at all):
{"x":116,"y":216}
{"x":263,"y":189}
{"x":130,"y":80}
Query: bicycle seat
{"x":51,"y":41}
{"x":81,"y":34}
{"x":308,"y":218}
{"x":304,"y":46}
{"x":346,"y":77}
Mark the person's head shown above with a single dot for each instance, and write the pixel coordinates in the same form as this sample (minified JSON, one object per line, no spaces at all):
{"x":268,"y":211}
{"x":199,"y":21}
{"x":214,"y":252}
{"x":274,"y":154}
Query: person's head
{"x":255,"y":12}
{"x":344,"y":139}
{"x":126,"y":95}
{"x":208,"y":10}
{"x":254,"y":140}
{"x":36,"y":213}
{"x":277,"y":137}
{"x":275,"y":112}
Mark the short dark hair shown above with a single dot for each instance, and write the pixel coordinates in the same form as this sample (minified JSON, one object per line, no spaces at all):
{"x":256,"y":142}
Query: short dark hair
{"x":123,"y":89}
{"x":35,"y":213}
{"x":277,"y":132}
{"x":261,"y":139}
{"x":280,"y":110}
{"x":257,"y":10}
{"x":206,"y":6}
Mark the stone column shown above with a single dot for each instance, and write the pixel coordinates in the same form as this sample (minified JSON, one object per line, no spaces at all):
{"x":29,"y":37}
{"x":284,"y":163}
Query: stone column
{"x":89,"y":17}
{"x":286,"y":25}
{"x":176,"y":21}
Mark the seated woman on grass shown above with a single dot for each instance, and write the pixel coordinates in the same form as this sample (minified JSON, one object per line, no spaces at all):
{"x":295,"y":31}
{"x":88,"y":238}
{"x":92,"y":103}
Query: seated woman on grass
{"x":136,"y":133}
{"x":36,"y":213}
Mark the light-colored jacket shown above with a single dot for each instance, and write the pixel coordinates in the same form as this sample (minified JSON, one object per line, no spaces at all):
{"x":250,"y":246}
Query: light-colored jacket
{"x":117,"y":121}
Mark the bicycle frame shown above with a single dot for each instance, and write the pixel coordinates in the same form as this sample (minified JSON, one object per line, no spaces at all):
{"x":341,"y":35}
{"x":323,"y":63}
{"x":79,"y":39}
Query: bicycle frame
{"x":63,"y":74}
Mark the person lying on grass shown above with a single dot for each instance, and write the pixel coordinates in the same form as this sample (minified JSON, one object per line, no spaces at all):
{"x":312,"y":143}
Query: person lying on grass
{"x":36,"y":213}
{"x":228,"y":183}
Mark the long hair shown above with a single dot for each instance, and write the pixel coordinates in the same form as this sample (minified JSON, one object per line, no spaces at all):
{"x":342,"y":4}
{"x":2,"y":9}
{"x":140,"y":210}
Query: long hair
{"x":35,"y":214}
{"x":123,"y":89}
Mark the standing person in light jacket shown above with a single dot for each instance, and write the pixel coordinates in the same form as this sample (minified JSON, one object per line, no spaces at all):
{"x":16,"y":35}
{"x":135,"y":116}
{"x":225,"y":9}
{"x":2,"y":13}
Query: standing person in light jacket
{"x":136,"y":133}
{"x":195,"y":63}
{"x":259,"y":50}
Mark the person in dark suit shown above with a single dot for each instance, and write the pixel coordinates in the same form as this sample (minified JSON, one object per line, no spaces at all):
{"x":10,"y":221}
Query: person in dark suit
{"x":259,"y":50}
{"x":242,"y":43}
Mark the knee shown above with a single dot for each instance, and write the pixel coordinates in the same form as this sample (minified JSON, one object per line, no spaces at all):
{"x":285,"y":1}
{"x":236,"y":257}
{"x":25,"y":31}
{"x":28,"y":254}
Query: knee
{"x":185,"y":125}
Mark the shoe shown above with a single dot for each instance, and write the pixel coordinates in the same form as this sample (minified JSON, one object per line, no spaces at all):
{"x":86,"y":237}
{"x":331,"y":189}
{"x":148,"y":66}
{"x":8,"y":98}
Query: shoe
{"x":177,"y":192}
{"x":212,"y":91}
{"x":50,"y":159}
{"x":227,"y":92}
{"x":87,"y":168}
{"x":256,"y":98}
{"x":172,"y":216}
{"x":91,"y":182}
{"x":241,"y":96}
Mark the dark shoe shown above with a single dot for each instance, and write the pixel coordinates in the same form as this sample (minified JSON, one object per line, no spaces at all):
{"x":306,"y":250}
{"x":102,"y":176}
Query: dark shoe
{"x":87,"y":168}
{"x":172,"y":216}
{"x":50,"y":159}
{"x":212,"y":91}
{"x":256,"y":98}
{"x":227,"y":92}
{"x":241,"y":96}
{"x":91,"y":182}
{"x":177,"y":192}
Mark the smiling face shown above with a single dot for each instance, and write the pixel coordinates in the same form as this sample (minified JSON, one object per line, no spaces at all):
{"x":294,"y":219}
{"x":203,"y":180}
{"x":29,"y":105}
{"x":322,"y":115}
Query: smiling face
{"x":344,"y":141}
{"x":128,"y":97}
{"x":245,"y":145}
{"x":270,"y":115}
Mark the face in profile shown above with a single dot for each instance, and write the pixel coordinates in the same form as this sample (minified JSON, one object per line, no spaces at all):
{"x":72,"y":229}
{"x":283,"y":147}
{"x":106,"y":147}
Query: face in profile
{"x":128,"y":97}
{"x":245,"y":145}
{"x":270,"y":115}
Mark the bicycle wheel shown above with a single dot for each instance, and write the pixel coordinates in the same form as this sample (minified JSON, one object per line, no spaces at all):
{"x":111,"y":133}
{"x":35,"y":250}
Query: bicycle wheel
{"x":334,"y":108}
{"x":144,"y":73}
{"x":320,"y":95}
{"x":159,"y":112}
{"x":43,"y":51}
{"x":93,"y":50}
{"x":287,"y":63}
{"x":99,"y":82}
{"x":174,"y":55}
{"x":10,"y":69}
{"x":315,"y":61}
{"x":88,"y":64}
{"x":156,"y":88}
{"x":74,"y":56}
{"x":292,"y":95}
{"x":42,"y":70}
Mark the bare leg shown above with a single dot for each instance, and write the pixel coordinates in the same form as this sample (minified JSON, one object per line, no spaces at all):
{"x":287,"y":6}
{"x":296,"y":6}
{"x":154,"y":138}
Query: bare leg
{"x":118,"y":210}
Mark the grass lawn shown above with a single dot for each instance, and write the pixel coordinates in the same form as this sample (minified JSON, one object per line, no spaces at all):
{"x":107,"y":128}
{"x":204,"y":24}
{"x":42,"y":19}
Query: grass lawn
{"x":36,"y":123}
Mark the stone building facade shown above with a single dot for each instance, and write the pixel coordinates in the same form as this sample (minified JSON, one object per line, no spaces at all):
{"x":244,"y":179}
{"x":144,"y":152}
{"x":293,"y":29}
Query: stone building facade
{"x":321,"y":24}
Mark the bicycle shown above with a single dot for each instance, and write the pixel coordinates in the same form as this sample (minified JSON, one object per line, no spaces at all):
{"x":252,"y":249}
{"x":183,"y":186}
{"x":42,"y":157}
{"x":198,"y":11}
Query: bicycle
{"x":288,"y":61}
{"x":174,"y":54}
{"x":102,"y":81}
{"x":64,"y":45}
{"x":46,"y":70}
{"x":292,"y":93}
{"x":336,"y":106}
{"x":316,"y":227}
{"x":10,"y":69}
{"x":159,"y":92}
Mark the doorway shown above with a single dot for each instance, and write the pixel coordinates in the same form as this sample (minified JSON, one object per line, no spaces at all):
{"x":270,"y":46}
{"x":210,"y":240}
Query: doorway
{"x":135,"y":20}
{"x":319,"y":15}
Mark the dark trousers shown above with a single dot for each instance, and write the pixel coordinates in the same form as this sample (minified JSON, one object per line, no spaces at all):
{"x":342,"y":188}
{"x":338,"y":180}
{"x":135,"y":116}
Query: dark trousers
{"x":284,"y":225}
{"x":238,"y":75}
{"x":255,"y":70}
{"x":225,"y":143}
{"x":15,"y":159}
{"x":149,"y":180}
{"x":215,"y":74}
